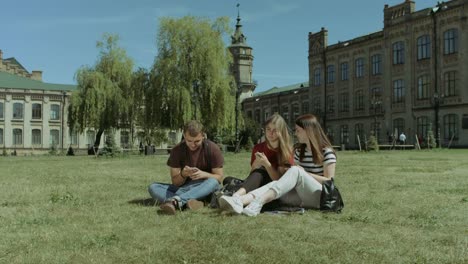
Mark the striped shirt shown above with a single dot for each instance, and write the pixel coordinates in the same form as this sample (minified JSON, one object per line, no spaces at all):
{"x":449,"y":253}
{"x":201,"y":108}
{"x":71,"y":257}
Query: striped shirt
{"x":308,"y":161}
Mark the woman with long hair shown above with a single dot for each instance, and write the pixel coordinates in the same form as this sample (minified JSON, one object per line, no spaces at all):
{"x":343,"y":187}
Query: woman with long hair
{"x":301,"y":185}
{"x":269,"y":160}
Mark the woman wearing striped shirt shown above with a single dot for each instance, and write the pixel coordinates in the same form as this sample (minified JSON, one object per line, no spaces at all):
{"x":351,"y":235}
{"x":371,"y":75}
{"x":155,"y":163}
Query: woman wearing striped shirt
{"x":301,"y":185}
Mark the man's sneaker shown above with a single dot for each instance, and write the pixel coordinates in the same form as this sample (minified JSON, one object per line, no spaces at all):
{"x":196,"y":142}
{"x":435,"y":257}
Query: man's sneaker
{"x":231,"y":204}
{"x":253,"y":209}
{"x":193,"y":204}
{"x":171,"y":206}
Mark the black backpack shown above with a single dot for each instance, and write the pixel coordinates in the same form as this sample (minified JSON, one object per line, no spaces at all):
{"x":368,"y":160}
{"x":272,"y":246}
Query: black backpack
{"x":230,"y":186}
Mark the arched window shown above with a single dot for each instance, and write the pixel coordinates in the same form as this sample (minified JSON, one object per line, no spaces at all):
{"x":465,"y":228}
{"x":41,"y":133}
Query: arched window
{"x":17,"y":136}
{"x":398,"y":52}
{"x":1,"y":110}
{"x":423,"y":87}
{"x":36,"y":111}
{"x":424,"y":47}
{"x":18,"y":111}
{"x":398,"y":126}
{"x":451,"y":127}
{"x":422,"y":124}
{"x":36,"y":137}
{"x":54,"y":137}
{"x":359,"y":132}
{"x":451,"y":41}
{"x":55,"y":112}
{"x":359,"y":67}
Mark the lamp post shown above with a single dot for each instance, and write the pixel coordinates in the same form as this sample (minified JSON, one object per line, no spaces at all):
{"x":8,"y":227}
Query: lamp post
{"x":376,"y":104}
{"x":238,"y":92}
{"x":435,"y":53}
{"x":436,"y":101}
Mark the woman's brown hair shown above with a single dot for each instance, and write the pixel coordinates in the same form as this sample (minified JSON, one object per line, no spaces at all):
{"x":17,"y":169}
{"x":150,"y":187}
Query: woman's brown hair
{"x":318,"y":140}
{"x":284,"y":146}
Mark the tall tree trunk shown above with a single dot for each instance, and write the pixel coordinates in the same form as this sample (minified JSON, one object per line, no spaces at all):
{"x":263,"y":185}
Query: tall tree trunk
{"x":94,"y":150}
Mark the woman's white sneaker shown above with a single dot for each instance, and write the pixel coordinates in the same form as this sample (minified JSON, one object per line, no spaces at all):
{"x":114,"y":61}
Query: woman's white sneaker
{"x":253,"y":209}
{"x":231,"y":204}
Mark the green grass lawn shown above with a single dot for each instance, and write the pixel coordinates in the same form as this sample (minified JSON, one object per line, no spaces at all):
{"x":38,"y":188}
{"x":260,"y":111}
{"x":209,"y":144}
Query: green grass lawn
{"x":400,"y":207}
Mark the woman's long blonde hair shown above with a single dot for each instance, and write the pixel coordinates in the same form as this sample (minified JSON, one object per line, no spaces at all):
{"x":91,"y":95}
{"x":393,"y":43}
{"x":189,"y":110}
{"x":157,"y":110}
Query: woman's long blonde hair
{"x":284,"y":138}
{"x":318,"y":140}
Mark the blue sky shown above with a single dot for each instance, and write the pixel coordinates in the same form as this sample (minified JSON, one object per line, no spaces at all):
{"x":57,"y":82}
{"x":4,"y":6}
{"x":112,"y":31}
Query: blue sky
{"x":58,"y":36}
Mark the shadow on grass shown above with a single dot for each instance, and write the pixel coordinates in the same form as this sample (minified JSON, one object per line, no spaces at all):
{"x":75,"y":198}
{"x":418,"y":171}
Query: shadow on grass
{"x":143,"y":202}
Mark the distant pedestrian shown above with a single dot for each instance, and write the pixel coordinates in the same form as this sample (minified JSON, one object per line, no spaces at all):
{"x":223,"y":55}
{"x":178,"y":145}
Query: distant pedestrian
{"x":402,"y":138}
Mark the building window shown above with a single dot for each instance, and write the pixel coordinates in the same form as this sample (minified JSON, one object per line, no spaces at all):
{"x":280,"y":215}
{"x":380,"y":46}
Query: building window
{"x":359,"y":100}
{"x":331,"y":134}
{"x":90,"y":137}
{"x":1,"y":110}
{"x":344,"y":134}
{"x":398,"y":91}
{"x":257,"y":115}
{"x":36,"y":137}
{"x":285,"y":113}
{"x":422,"y":125}
{"x":331,"y":74}
{"x":330,"y":104}
{"x":359,"y":131}
{"x":398,"y":126}
{"x":295,"y":111}
{"x":124,"y":139}
{"x":359,"y":67}
{"x":305,"y":107}
{"x":249,"y":114}
{"x":17,"y":111}
{"x":266,"y":114}
{"x":450,"y":83}
{"x":317,"y":77}
{"x":344,"y":71}
{"x":36,"y":111}
{"x":424,"y":47}
{"x":55,"y":112}
{"x":450,"y":41}
{"x":17,"y":136}
{"x":74,"y":138}
{"x":398,"y":52}
{"x":317,"y":106}
{"x":344,"y":102}
{"x":423,"y":87}
{"x":376,"y":100}
{"x":1,"y":136}
{"x":375,"y":130}
{"x":450,"y":127}
{"x":54,"y":137}
{"x":376,"y":64}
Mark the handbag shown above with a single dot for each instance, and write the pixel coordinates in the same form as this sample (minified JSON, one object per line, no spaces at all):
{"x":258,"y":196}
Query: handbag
{"x":330,"y":198}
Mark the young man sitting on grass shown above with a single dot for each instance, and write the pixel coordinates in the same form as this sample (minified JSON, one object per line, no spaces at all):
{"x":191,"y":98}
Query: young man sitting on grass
{"x":196,"y":169}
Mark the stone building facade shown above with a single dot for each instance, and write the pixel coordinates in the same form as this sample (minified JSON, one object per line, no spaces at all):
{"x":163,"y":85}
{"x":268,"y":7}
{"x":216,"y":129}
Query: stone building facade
{"x":34,"y":114}
{"x":406,"y":78}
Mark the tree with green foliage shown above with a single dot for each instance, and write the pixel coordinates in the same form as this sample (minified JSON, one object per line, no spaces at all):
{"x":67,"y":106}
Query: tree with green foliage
{"x":191,"y":77}
{"x":431,"y":141}
{"x":102,"y":99}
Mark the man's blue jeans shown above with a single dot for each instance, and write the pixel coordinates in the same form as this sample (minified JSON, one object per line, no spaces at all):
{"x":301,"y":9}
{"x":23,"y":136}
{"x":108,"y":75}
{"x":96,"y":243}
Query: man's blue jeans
{"x":192,"y":190}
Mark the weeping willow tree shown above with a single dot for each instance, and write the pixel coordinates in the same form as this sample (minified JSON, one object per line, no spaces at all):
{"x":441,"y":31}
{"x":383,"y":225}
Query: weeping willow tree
{"x":190,"y":77}
{"x":102,"y":99}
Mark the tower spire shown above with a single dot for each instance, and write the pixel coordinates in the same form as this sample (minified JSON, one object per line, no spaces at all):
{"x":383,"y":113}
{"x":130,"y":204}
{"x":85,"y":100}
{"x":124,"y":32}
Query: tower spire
{"x":238,"y":37}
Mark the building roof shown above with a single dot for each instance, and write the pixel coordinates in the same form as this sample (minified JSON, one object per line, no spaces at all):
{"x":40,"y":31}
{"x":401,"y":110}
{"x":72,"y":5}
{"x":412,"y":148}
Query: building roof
{"x":11,"y":81}
{"x":14,"y":61}
{"x":275,"y":89}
